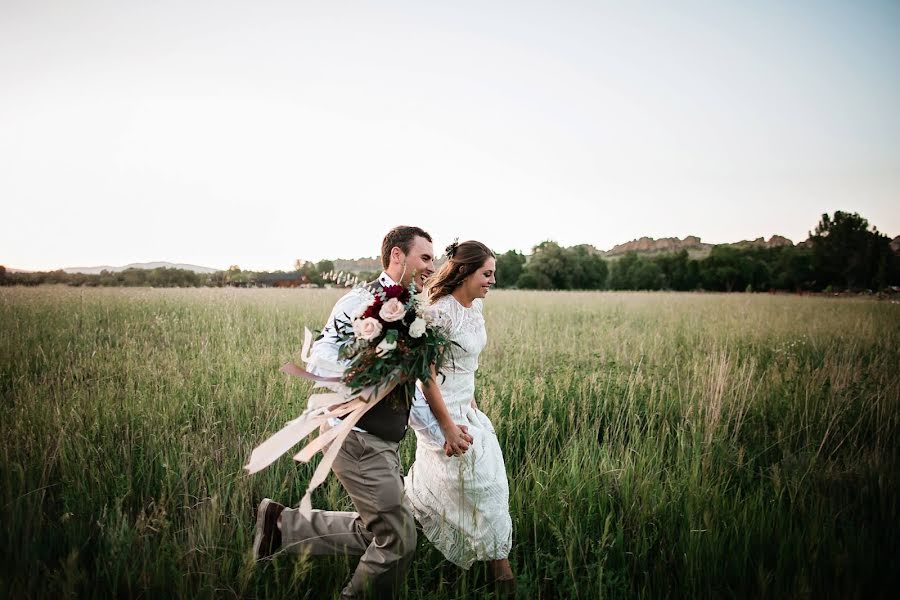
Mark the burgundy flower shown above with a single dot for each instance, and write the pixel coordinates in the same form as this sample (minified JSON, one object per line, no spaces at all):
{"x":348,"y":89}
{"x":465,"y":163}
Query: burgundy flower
{"x":396,"y":291}
{"x":373,"y":310}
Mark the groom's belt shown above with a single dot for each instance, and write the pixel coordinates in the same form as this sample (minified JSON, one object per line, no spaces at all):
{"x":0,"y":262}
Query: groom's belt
{"x":388,"y":419}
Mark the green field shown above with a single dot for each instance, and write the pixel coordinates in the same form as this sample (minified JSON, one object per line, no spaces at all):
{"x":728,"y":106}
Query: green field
{"x":657,"y":445}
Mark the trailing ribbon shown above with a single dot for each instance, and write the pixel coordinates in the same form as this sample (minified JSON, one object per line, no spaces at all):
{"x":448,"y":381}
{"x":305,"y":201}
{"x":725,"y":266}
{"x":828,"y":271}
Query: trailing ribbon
{"x":320,"y":409}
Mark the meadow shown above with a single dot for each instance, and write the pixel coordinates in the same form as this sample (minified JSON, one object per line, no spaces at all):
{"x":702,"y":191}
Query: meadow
{"x":657,"y":444}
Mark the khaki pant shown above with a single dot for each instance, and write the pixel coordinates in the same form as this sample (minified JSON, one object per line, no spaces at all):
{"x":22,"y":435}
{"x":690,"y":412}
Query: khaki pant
{"x":382,"y":531}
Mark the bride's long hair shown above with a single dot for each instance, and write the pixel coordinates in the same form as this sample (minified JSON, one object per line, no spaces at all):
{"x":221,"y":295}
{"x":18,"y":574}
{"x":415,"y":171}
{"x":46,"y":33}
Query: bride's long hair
{"x":462,"y":260}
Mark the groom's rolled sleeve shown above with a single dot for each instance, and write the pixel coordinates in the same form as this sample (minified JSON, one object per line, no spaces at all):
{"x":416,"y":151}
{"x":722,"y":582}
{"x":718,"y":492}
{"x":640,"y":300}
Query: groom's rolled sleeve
{"x":324,"y":357}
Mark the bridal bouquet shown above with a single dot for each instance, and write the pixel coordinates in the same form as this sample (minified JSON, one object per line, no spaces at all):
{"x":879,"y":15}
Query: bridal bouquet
{"x":393,"y":339}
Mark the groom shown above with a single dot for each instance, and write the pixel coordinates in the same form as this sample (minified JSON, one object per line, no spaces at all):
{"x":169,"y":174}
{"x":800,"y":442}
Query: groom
{"x":381,"y":531}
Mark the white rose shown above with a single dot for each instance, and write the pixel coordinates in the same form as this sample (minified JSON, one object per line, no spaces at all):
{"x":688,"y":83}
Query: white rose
{"x":392,"y":310}
{"x":384,"y":347}
{"x":367,"y":329}
{"x":417,"y":328}
{"x":431,"y":314}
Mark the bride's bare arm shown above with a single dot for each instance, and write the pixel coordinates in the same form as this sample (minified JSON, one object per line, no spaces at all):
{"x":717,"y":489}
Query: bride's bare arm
{"x":457,"y":436}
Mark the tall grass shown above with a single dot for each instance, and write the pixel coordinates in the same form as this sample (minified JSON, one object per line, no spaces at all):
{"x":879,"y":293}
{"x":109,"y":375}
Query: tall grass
{"x":657,"y":445}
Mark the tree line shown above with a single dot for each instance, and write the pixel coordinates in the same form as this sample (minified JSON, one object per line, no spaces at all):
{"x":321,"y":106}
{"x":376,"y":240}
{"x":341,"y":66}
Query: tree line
{"x":159,"y":277}
{"x":304,"y":272}
{"x":843,"y":253}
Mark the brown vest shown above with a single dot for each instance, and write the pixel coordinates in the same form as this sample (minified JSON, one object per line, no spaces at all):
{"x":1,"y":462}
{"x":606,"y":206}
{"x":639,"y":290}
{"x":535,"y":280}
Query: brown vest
{"x":389,"y":417}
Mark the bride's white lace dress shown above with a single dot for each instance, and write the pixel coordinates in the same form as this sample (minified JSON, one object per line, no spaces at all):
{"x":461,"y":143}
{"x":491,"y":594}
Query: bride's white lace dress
{"x":462,"y":503}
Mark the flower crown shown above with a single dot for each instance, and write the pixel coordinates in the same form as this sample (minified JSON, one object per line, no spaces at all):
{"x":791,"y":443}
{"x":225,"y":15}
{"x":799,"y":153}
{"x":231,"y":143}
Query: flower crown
{"x":451,"y":249}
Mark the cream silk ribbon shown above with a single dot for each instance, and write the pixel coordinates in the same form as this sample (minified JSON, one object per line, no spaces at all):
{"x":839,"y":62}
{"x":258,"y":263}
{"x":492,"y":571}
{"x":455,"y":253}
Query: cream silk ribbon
{"x":320,"y":408}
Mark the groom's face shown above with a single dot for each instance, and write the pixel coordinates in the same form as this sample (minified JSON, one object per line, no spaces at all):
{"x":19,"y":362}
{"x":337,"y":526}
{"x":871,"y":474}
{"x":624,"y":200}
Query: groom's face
{"x":419,"y":261}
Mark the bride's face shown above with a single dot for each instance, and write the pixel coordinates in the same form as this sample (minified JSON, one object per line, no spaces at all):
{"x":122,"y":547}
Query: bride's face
{"x":480,"y":282}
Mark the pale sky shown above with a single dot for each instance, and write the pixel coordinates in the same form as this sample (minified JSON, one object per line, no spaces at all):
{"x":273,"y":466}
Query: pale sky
{"x":254,"y":133}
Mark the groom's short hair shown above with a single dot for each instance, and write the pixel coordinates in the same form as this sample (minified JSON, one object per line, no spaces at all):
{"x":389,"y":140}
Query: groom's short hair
{"x":401,"y":236}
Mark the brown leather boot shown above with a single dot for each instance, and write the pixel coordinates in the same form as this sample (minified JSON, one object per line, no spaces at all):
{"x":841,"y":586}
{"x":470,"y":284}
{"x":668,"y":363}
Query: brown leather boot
{"x":267,"y":540}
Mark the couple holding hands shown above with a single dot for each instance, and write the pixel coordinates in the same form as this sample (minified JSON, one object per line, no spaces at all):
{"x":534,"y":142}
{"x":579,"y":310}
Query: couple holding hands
{"x":457,"y":488}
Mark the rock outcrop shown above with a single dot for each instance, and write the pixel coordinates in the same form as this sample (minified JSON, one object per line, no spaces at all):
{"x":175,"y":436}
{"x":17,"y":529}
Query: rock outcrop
{"x":650,"y":245}
{"x":691,"y":243}
{"x":776,"y":241}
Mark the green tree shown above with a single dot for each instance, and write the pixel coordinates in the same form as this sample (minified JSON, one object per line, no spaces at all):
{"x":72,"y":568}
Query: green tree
{"x":791,"y":268}
{"x":730,"y":269}
{"x":588,"y":269}
{"x":846,"y":253}
{"x":550,"y":263}
{"x":218,"y":279}
{"x":620,"y":272}
{"x":509,"y":267}
{"x":679,"y":271}
{"x":324,"y":266}
{"x":646,"y":275}
{"x":308,"y":270}
{"x":534,"y":280}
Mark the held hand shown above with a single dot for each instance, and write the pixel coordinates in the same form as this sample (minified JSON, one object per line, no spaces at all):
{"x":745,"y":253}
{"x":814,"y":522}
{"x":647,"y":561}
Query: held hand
{"x":457,"y":440}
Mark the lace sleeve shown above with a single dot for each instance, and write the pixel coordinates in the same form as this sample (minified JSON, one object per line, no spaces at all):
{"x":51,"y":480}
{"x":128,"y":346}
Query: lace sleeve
{"x":444,"y":315}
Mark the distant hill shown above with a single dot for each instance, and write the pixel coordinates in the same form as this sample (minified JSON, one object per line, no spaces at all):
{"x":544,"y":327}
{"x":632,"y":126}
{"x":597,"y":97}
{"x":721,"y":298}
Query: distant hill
{"x":148,"y":266}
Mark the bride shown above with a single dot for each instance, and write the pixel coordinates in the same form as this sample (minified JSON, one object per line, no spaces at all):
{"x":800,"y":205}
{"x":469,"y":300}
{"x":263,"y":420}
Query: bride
{"x":461,"y":500}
